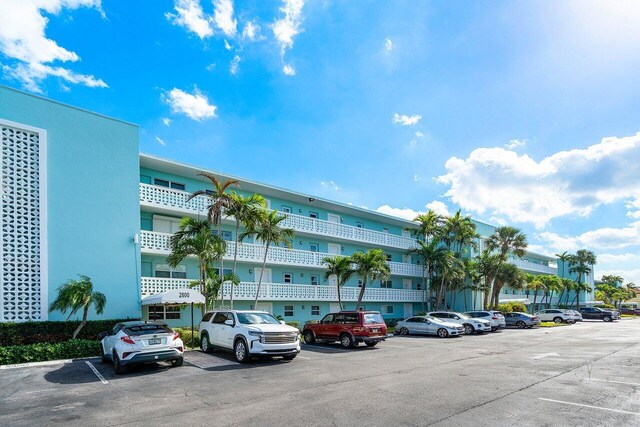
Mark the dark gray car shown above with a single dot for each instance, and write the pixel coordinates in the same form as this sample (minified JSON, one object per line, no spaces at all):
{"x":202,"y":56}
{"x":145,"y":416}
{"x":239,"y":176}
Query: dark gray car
{"x":521,"y":320}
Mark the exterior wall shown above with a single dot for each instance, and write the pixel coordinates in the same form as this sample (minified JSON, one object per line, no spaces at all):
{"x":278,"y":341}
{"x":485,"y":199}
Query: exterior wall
{"x":92,"y":202}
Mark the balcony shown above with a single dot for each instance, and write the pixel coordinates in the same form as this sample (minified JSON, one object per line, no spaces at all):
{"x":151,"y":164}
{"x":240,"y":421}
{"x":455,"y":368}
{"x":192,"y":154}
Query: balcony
{"x":155,"y":243}
{"x":532,"y":266}
{"x":246,"y":291}
{"x":170,"y":200}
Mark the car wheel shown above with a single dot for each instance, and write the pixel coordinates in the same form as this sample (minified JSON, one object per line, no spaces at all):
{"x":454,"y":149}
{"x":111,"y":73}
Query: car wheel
{"x":442,"y":333}
{"x":607,"y":318}
{"x":205,"y":345}
{"x":117,"y":365}
{"x":557,"y":319}
{"x":177,"y":362}
{"x":308,"y":337}
{"x":346,"y":341}
{"x":371,"y":344}
{"x":468,"y":329}
{"x":291,"y":357}
{"x":520,"y":324}
{"x":103,"y":357}
{"x":404,"y":331}
{"x":240,"y":351}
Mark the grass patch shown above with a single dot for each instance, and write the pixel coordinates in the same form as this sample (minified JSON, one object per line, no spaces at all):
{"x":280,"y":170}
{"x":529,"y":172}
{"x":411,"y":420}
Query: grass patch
{"x":391,"y":330}
{"x":552,"y":324}
{"x":629,"y":316}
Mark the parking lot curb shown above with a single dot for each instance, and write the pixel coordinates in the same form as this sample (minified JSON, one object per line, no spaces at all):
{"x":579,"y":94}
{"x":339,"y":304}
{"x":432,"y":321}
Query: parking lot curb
{"x":45,"y":363}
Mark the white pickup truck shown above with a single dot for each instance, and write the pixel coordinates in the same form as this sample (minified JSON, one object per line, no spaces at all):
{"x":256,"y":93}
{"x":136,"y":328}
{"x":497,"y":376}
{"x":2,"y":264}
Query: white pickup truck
{"x":248,"y":334}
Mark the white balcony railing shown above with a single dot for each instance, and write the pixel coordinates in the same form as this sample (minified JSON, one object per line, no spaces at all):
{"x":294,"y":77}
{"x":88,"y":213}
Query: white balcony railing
{"x":532,"y":266}
{"x":288,"y":292}
{"x":152,"y":242}
{"x":167,"y":198}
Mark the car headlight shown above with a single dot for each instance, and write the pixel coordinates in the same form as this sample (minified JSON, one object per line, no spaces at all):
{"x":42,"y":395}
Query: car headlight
{"x":255,"y":333}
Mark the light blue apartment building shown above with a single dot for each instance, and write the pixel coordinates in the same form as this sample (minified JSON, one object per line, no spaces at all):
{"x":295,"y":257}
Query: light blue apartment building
{"x":93,"y":205}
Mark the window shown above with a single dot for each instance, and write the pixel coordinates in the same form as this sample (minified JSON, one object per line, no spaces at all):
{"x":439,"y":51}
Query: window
{"x":164,"y":270}
{"x":314,"y":280}
{"x":227,"y":272}
{"x":226,"y":235}
{"x":315,"y":310}
{"x":314,"y":247}
{"x":287,"y":278}
{"x":168,"y":184}
{"x":359,"y":224}
{"x":387,"y":309}
{"x":162,"y":312}
{"x":386,"y":284}
{"x":359,"y":283}
{"x":327,"y":319}
{"x":418,"y":286}
{"x":286,"y":209}
{"x":385,"y":230}
{"x":388,"y":257}
{"x":207,"y":317}
{"x":221,"y":317}
{"x":313,"y":214}
{"x":351,"y":318}
{"x":288,"y":310}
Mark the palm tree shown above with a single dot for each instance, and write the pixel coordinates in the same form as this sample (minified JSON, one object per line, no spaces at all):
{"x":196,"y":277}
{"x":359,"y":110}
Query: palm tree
{"x":75,"y":295}
{"x":430,"y":254}
{"x":429,"y":226}
{"x":487,"y":265}
{"x":509,"y":275}
{"x":370,"y":265}
{"x":449,"y":268}
{"x":506,"y":240}
{"x":581,"y":264}
{"x":459,"y":231}
{"x":245,"y":210}
{"x":340,"y":267}
{"x":535,"y":284}
{"x":267,"y":229}
{"x":219,"y":202}
{"x":194,"y":238}
{"x":564,"y":257}
{"x":565,"y":285}
{"x":552,"y":284}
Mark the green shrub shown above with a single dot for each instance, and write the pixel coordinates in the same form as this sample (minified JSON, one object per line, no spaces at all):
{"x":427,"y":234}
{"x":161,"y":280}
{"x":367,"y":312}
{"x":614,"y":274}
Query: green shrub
{"x":191,"y":341}
{"x":41,"y":352}
{"x":391,"y":323}
{"x":312,"y":321}
{"x":605,"y":306}
{"x":512,"y":306}
{"x":295,"y":324}
{"x":52,"y":332}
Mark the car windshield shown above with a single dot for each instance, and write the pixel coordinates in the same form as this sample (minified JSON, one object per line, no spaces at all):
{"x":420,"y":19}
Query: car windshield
{"x":464,"y":316}
{"x":257,"y":319}
{"x":149,"y":329}
{"x":373,"y":318}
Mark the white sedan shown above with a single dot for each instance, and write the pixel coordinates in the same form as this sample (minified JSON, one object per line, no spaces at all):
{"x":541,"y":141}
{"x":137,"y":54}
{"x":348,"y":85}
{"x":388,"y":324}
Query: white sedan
{"x":137,"y":342}
{"x":428,"y":326}
{"x":469,"y":324}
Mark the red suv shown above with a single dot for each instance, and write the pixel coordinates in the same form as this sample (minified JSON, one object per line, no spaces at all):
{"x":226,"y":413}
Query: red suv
{"x":348,"y":327}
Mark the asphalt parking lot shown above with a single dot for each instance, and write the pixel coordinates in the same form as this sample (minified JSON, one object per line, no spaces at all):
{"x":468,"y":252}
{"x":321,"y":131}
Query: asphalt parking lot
{"x":583,"y":375}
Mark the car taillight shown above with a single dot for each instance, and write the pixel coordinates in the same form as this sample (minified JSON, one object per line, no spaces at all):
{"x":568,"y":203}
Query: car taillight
{"x":180,"y":349}
{"x":124,"y":355}
{"x":494,"y":318}
{"x":128,"y":340}
{"x":176,"y":335}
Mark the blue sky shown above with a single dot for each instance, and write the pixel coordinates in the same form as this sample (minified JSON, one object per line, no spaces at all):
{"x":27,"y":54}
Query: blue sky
{"x":515,"y":112}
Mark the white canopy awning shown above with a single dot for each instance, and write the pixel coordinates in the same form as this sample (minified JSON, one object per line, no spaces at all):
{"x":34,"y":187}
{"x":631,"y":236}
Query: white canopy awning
{"x":522,"y":300}
{"x":176,"y":296}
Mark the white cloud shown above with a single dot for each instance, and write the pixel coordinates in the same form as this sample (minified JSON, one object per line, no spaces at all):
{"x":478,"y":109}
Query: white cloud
{"x":23,"y":39}
{"x":223,"y":17}
{"x":601,"y":238}
{"x":234,"y":65}
{"x":189,"y":14}
{"x":416,"y":177}
{"x":388,"y":45}
{"x":330,"y":184}
{"x":211,"y":66}
{"x":419,"y":134}
{"x":289,"y":70}
{"x":287,"y":28}
{"x":227,"y":45}
{"x":166,"y":121}
{"x":438,"y":207}
{"x":624,"y":265}
{"x":515,"y":143}
{"x":196,"y":105}
{"x":409,"y":214}
{"x":251,"y":31}
{"x":160,"y":141}
{"x":404,"y":120}
{"x":517,"y":187}
{"x":633,"y":208}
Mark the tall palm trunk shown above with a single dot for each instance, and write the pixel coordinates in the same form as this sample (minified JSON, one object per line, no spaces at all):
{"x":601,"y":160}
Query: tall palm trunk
{"x":235,"y":260}
{"x":440,"y":294}
{"x":264,"y":263}
{"x":535,"y":298}
{"x":83,"y":323}
{"x":361,"y":295}
{"x":339,"y":293}
{"x":464,"y":294}
{"x":424,"y":286}
{"x":221,"y":269}
{"x":203,"y":285}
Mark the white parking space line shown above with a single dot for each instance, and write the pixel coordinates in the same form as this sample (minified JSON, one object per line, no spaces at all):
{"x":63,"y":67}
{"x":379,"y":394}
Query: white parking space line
{"x":194,"y":364}
{"x":615,"y":382}
{"x":302,"y":357}
{"x":543,"y":355}
{"x":95,"y":371}
{"x":40,"y":391}
{"x":620,"y":411}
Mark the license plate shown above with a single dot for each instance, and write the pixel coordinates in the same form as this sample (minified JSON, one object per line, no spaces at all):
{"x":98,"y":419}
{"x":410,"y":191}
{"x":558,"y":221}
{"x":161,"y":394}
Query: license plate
{"x":375,"y":330}
{"x":155,"y":342}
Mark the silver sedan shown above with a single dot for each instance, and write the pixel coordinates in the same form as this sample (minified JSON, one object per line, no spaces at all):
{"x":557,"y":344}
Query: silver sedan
{"x":427,"y":325}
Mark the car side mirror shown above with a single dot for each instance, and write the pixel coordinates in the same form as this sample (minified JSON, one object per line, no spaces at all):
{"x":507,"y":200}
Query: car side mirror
{"x":428,"y":322}
{"x":282,"y":322}
{"x":228,"y":322}
{"x":103,"y":334}
{"x":457,"y":318}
